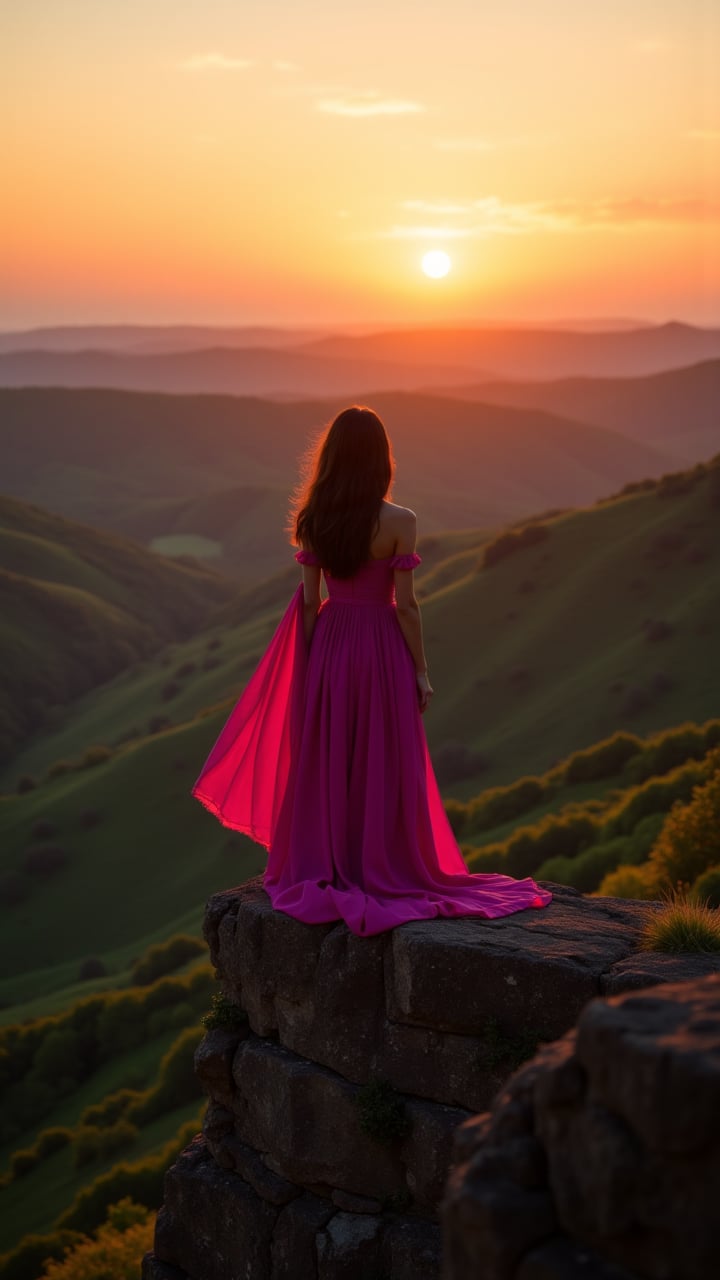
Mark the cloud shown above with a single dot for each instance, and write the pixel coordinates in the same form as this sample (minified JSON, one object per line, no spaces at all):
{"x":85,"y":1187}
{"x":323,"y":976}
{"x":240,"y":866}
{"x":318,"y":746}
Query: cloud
{"x":214,"y":62}
{"x":492,"y":216}
{"x":608,"y":212}
{"x":367,"y":102}
{"x":279,"y":64}
{"x":705,"y":135}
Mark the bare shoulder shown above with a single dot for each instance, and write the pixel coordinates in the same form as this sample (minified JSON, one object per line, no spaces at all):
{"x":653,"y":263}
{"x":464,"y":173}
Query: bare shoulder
{"x":400,"y":517}
{"x":399,"y":525}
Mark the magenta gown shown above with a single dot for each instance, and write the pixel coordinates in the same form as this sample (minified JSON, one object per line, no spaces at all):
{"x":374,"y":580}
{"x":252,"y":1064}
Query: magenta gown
{"x":324,"y":761}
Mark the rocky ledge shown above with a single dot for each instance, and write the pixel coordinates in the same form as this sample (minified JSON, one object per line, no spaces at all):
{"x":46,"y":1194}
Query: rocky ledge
{"x":601,"y":1157}
{"x":334,"y":1104}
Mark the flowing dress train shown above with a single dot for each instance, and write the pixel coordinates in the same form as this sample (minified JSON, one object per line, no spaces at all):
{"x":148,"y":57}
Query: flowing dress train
{"x":324,"y":761}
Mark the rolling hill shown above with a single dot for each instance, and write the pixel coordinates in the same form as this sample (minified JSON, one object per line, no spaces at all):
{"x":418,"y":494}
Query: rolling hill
{"x":610,"y":621}
{"x":78,"y":605}
{"x":677,"y":410}
{"x":154,"y":465}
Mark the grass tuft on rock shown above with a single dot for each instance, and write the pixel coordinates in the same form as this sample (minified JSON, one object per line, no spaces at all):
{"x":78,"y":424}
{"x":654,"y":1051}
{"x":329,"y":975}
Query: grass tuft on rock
{"x":682,"y":925}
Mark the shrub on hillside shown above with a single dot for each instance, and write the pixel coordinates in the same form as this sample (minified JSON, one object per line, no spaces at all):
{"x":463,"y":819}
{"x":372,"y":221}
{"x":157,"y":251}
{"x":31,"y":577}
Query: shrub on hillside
{"x":514,"y":540}
{"x":677,"y":483}
{"x":43,"y":830}
{"x":643,"y":837}
{"x":689,"y":842}
{"x":657,"y":795}
{"x":665,"y":751}
{"x":92,"y":1142}
{"x":638,"y":486}
{"x":26,"y":1260}
{"x":587,"y":870}
{"x":90,"y":818}
{"x":603,"y":760}
{"x":164,"y":957}
{"x":95,"y":755}
{"x":502,"y":804}
{"x":143,"y":1180}
{"x":58,"y":768}
{"x":26,"y":783}
{"x":60,"y":1059}
{"x":628,"y":882}
{"x":707,"y":887}
{"x":169,"y":690}
{"x":185,"y":669}
{"x":491,"y":858}
{"x":44,"y":860}
{"x":564,"y":833}
{"x":113,"y":1106}
{"x":177,"y":1083}
{"x":91,"y":967}
{"x":115,"y":1253}
{"x":46,"y":1144}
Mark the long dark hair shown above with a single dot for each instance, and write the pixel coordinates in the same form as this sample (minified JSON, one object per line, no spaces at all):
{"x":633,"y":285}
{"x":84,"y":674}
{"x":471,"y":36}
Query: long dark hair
{"x":349,"y":472}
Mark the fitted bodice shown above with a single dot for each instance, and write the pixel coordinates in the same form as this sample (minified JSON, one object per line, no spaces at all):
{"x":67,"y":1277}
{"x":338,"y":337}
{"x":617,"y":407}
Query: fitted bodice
{"x":374,"y":582}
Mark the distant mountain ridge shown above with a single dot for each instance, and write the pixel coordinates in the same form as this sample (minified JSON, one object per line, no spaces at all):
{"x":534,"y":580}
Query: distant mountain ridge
{"x":350,"y":364}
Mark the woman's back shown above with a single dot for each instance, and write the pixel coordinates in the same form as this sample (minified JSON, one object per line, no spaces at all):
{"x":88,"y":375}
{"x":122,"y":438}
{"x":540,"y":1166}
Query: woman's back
{"x":324,"y":759}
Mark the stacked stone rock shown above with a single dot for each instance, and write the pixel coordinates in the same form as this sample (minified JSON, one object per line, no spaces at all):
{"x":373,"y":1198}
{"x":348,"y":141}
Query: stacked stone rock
{"x":284,"y":1181}
{"x":601,"y":1158}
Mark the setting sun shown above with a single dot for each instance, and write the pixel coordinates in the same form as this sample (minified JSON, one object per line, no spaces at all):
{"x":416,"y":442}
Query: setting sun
{"x":436,"y":264}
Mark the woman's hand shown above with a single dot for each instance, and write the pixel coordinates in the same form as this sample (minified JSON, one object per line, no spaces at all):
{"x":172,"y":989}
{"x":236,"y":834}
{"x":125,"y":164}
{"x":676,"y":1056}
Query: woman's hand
{"x":424,"y":688}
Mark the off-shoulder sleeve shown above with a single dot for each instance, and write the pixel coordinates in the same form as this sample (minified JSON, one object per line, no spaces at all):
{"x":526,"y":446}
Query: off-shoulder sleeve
{"x":306,"y":557}
{"x":409,"y":561}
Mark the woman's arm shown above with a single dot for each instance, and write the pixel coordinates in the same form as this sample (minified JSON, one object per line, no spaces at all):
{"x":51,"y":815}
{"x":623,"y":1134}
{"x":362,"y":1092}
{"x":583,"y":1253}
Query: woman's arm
{"x":408,"y":610}
{"x":311,"y":598}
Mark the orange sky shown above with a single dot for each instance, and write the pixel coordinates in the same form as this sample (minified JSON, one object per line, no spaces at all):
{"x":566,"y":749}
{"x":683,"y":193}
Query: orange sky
{"x":270,"y":161}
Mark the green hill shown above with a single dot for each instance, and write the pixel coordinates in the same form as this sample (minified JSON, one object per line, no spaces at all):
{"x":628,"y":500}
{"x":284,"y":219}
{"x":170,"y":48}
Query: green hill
{"x":220,"y":467}
{"x":612,"y":621}
{"x":78,"y":605}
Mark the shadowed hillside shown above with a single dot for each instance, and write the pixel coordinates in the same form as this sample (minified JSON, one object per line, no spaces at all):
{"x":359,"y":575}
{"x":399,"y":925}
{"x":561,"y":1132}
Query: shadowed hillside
{"x":78,"y":605}
{"x":676,"y":410}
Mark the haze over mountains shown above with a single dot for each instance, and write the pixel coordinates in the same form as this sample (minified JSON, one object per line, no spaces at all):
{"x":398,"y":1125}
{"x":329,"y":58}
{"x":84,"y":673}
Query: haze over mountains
{"x":349,"y":364}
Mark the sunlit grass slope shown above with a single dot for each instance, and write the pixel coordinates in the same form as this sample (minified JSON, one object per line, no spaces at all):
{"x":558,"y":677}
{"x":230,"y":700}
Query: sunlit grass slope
{"x":612,"y":621}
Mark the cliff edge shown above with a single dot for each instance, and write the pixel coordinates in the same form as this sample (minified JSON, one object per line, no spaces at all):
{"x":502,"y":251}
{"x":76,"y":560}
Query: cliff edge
{"x":339,"y":1084}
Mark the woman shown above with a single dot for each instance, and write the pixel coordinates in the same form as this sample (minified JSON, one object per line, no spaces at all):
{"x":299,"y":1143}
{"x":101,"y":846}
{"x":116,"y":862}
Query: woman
{"x":324,"y":758}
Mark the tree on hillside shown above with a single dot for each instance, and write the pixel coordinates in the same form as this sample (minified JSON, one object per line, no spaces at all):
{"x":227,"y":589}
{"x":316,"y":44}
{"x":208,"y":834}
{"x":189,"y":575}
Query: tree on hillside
{"x":689,"y":841}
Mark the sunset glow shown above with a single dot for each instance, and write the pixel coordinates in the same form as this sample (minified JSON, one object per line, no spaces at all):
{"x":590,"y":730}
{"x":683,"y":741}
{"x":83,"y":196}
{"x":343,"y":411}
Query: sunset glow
{"x":210,"y":162}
